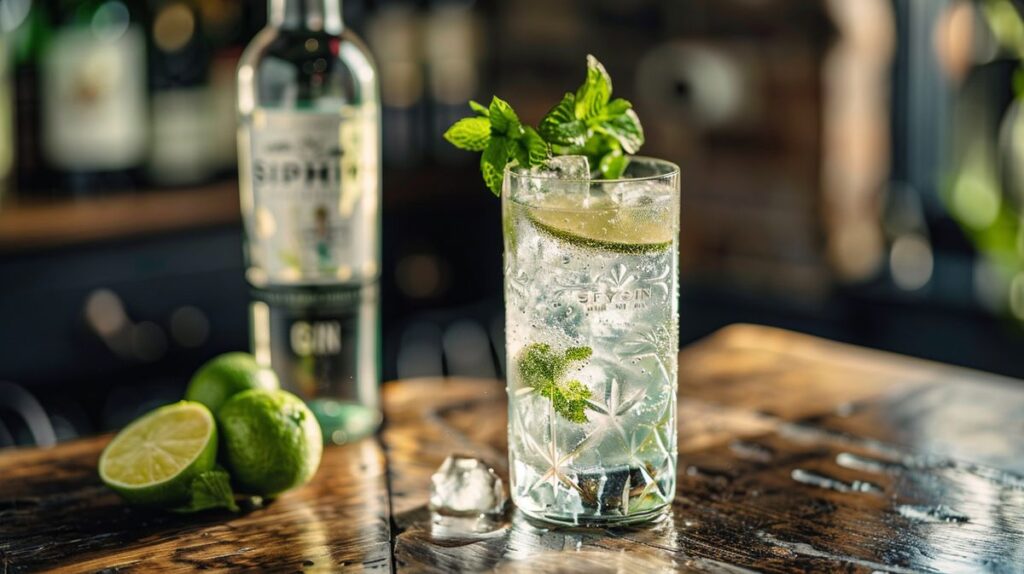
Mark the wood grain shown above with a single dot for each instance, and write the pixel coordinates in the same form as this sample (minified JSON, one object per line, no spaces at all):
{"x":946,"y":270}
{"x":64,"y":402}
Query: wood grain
{"x":55,"y":514}
{"x":795,"y":455}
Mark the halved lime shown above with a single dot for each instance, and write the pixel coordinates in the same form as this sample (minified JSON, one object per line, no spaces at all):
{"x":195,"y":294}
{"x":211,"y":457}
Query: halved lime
{"x":621,"y":230}
{"x":153,"y":460}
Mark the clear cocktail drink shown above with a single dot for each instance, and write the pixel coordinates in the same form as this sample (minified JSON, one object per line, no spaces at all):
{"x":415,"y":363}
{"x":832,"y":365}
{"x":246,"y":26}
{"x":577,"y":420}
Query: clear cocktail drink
{"x":591,"y":308}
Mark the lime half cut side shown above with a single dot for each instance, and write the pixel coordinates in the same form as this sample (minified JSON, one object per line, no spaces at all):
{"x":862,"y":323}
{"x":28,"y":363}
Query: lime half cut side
{"x":153,"y":460}
{"x":621,"y":230}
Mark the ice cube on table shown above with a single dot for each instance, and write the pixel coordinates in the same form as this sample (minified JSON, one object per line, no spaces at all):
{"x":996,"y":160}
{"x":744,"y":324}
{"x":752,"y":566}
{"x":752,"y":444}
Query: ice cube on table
{"x":569,"y":174}
{"x":465,"y":486}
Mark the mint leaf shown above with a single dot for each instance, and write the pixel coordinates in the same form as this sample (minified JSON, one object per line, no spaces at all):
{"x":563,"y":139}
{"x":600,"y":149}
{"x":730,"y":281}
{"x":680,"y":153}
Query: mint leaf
{"x":541,"y":368}
{"x":520,"y":155}
{"x":470,"y":134}
{"x":539,"y":365}
{"x":585,"y":122}
{"x":210,"y":489}
{"x":626,"y":129}
{"x":479,"y":108}
{"x":593,"y":95}
{"x":613,"y":164}
{"x":616,"y":107}
{"x":493,"y":162}
{"x":578,"y":354}
{"x":561,"y":127}
{"x":503,"y":119}
{"x":537,"y":150}
{"x":569,"y":399}
{"x":590,"y":123}
{"x":572,"y":400}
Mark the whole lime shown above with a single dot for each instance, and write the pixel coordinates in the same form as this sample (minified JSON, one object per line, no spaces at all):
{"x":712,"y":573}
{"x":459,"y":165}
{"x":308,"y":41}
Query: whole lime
{"x":226,"y":375}
{"x":272,"y":442}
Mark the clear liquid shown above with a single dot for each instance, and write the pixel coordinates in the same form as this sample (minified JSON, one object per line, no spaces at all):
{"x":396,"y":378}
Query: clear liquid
{"x":619,"y":465}
{"x":324,"y":346}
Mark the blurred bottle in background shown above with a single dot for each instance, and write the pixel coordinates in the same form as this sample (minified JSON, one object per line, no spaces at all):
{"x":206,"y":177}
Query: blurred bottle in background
{"x":6,"y":114}
{"x":310,"y":183}
{"x":93,"y":95}
{"x":453,"y":43}
{"x":181,"y":143}
{"x":395,"y":35}
{"x":225,"y":25}
{"x":27,"y":25}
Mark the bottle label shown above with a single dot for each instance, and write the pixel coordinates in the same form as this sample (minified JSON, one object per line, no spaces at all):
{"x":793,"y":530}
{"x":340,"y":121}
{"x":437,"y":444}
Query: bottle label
{"x":314,"y":180}
{"x":322,"y":342}
{"x":181,"y":153}
{"x":94,"y":99}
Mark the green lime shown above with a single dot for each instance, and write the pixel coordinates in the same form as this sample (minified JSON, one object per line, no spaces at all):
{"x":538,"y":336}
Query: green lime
{"x":153,"y":460}
{"x":621,"y":230}
{"x":272,"y":441}
{"x":227,"y":375}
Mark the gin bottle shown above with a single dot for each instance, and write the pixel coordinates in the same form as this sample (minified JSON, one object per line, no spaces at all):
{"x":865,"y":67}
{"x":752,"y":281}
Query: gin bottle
{"x":309,"y":150}
{"x":309,"y":178}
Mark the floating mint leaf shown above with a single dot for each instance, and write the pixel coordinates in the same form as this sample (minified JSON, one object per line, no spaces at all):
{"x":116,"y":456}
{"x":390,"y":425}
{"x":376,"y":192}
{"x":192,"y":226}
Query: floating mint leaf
{"x":578,"y":353}
{"x":210,"y":489}
{"x":541,"y":368}
{"x":470,"y":134}
{"x":538,"y":365}
{"x":569,"y":399}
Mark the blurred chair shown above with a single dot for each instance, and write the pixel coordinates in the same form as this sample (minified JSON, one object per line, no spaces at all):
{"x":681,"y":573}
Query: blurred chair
{"x":462,"y":342}
{"x":18,"y":401}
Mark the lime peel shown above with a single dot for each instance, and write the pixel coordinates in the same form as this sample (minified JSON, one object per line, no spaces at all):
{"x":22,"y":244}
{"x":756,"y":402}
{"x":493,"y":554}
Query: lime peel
{"x":598,"y":229}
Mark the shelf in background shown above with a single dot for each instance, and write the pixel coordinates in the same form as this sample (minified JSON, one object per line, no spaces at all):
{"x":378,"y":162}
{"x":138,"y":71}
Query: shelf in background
{"x":34,"y":224}
{"x":28,"y":225}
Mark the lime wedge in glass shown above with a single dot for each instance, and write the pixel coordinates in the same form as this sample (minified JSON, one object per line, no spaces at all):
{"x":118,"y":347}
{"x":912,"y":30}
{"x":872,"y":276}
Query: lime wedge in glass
{"x":153,"y":460}
{"x":620,"y":230}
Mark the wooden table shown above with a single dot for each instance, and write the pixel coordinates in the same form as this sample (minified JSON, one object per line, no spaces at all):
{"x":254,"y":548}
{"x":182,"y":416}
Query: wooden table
{"x":795,"y":454}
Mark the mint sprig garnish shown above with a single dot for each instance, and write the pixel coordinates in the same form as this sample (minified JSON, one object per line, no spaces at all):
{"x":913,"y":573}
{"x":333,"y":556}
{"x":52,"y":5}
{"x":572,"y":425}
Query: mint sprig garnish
{"x":591,"y":123}
{"x":544,"y":370}
{"x":586,"y":122}
{"x":497,"y":132}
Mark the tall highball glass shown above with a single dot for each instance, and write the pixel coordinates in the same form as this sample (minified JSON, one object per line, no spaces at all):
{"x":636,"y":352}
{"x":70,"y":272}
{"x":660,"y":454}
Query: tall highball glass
{"x":591,"y":309}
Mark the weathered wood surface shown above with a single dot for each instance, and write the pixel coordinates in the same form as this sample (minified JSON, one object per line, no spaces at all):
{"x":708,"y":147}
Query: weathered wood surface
{"x":795,"y":454}
{"x":56,"y":514}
